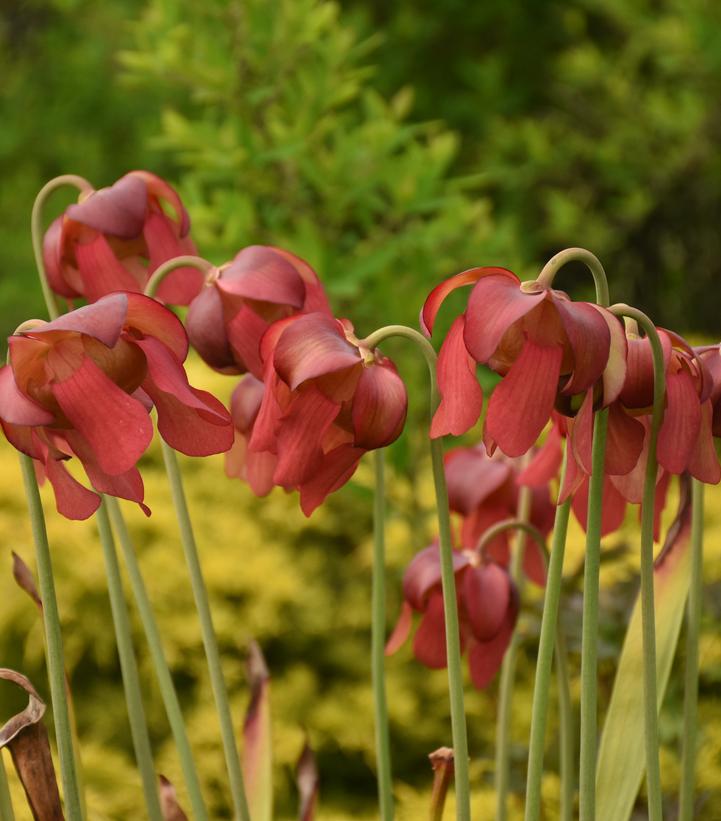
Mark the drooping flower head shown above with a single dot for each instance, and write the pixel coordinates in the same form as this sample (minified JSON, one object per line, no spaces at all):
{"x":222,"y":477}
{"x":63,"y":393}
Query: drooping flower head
{"x":114,"y":238}
{"x":488,"y":606}
{"x":83,"y":384}
{"x":228,"y":318}
{"x":548,"y":348}
{"x":484,"y":490}
{"x":326,"y":400}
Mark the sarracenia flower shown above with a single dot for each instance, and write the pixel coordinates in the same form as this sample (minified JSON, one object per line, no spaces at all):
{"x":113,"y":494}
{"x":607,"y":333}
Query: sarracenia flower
{"x":83,"y":384}
{"x":240,"y":300}
{"x":484,"y":490}
{"x":548,"y":349}
{"x":326,"y":401}
{"x":488,"y":608}
{"x":114,"y":238}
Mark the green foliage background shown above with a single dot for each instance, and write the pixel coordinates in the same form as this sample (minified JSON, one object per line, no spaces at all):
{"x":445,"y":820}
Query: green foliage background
{"x":390,"y":145}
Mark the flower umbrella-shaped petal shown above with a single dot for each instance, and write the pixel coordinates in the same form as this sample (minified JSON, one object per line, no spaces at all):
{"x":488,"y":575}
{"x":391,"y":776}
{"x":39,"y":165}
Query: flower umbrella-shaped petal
{"x":118,"y":210}
{"x":424,"y":573}
{"x":589,"y":338}
{"x":681,"y":422}
{"x":260,"y":273}
{"x":486,"y":594}
{"x":472,"y":477}
{"x":380,"y":404}
{"x":429,"y":642}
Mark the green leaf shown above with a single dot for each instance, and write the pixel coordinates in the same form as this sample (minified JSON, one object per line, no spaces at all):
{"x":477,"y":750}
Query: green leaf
{"x":258,"y":753}
{"x":621,"y":757}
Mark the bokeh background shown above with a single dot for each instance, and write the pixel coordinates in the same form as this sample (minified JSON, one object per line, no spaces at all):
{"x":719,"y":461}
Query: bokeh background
{"x":390,"y":144}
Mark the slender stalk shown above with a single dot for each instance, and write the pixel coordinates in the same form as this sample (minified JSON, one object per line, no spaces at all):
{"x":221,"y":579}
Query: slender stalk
{"x":162,"y":672}
{"x":448,"y":582}
{"x":210,"y":642}
{"x":54,"y":644}
{"x":129,"y":667}
{"x":508,"y":668}
{"x":442,"y":763}
{"x":6,"y":803}
{"x":591,"y":261}
{"x":36,"y":227}
{"x":648,"y":615}
{"x":693,"y":630}
{"x":565,"y":709}
{"x":378,"y":637}
{"x":177,"y":262}
{"x":589,"y":641}
{"x":541,"y":689}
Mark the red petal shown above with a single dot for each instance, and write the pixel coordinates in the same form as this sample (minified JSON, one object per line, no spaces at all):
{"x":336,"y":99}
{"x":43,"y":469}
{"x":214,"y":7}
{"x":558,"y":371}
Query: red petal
{"x":205,"y":325}
{"x":546,"y":462}
{"x":245,"y":333}
{"x":429,"y":643}
{"x":461,"y":395}
{"x":101,"y":271}
{"x":116,"y":426}
{"x":154,"y":320}
{"x":496,"y":303}
{"x":300,"y":435}
{"x":336,"y":469}
{"x":118,"y":210}
{"x":401,"y":631}
{"x":440,"y":292}
{"x":581,"y":433}
{"x":613,"y":508}
{"x":614,"y":376}
{"x":315,"y":297}
{"x":15,"y":407}
{"x":472,"y":476}
{"x":485,"y":658}
{"x":534,"y":563}
{"x":182,"y":285}
{"x":259,"y":272}
{"x":380,"y":405}
{"x":486,"y":593}
{"x":681,"y":423}
{"x":72,"y":499}
{"x":704,"y":463}
{"x":637,"y":390}
{"x":424,"y":573}
{"x":589,"y":338}
{"x":245,"y":403}
{"x":275,"y":400}
{"x":624,"y":441}
{"x":103,"y":320}
{"x":313,"y":345}
{"x":159,"y":189}
{"x":522,"y":402}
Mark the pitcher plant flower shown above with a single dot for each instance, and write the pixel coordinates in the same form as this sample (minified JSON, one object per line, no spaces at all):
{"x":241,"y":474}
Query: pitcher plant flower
{"x":548,"y":348}
{"x":488,"y":608}
{"x":114,"y":238}
{"x":227,"y":319}
{"x":82,"y":386}
{"x":326,"y":401}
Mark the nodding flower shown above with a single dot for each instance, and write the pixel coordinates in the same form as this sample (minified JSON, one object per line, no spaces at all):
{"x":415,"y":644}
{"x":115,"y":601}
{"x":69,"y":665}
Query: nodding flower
{"x":114,"y":238}
{"x":549,"y":350}
{"x":82,"y":386}
{"x":326,"y":399}
{"x":488,"y":606}
{"x":228,"y":318}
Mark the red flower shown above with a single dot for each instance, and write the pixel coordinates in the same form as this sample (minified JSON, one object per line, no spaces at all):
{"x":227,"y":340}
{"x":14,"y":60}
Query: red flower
{"x":114,"y":238}
{"x":228,"y":318}
{"x":327,"y":400}
{"x":484,"y":490}
{"x":82,"y":386}
{"x":548,"y":349}
{"x":488,"y":609}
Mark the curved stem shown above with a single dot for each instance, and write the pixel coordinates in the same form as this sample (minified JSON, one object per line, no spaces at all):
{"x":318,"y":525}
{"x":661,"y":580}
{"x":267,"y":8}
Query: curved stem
{"x":171,"y":265}
{"x":508,"y":666}
{"x":653,"y":768}
{"x":693,"y":629}
{"x":448,"y":582}
{"x":6,"y":803}
{"x":589,"y":641}
{"x":162,"y":672}
{"x":36,"y":227}
{"x":129,"y":667}
{"x":544,"y":660}
{"x":210,"y":642}
{"x":592,"y":262}
{"x":54,"y":644}
{"x":378,"y":638}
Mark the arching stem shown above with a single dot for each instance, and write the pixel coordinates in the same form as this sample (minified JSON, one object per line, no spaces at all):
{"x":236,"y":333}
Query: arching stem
{"x":171,"y":265}
{"x":448,"y":583}
{"x":653,"y":768}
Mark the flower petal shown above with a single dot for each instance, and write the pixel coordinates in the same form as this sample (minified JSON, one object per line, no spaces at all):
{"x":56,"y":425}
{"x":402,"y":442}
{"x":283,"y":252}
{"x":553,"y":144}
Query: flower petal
{"x":424,"y":573}
{"x":15,"y":407}
{"x":182,"y":285}
{"x":704,"y":464}
{"x":461,"y":395}
{"x":496,"y":303}
{"x":245,"y":403}
{"x":429,"y":643}
{"x":380,"y":405}
{"x":589,"y":338}
{"x":315,"y":297}
{"x":485,"y":658}
{"x":472,"y":476}
{"x":206,"y":330}
{"x":485,"y":595}
{"x":335,"y":470}
{"x":311,"y":346}
{"x":73,"y":500}
{"x":103,"y":320}
{"x":154,"y":320}
{"x":159,"y":189}
{"x":624,"y":441}
{"x":118,"y":210}
{"x":245,"y":332}
{"x":681,"y":422}
{"x":260,"y":273}
{"x":637,"y":390}
{"x":101,"y":272}
{"x":435,"y":299}
{"x":534,"y":563}
{"x":613,"y":508}
{"x":581,"y":433}
{"x":546,"y":462}
{"x":116,"y":426}
{"x":401,"y":631}
{"x":521,"y":403}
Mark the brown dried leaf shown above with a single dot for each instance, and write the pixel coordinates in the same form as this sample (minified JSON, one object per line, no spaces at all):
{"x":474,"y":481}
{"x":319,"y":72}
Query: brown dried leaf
{"x":25,"y":579}
{"x":306,"y":776}
{"x":171,"y":809}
